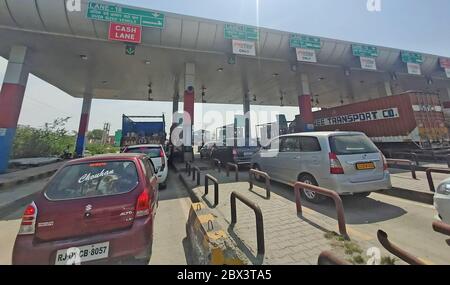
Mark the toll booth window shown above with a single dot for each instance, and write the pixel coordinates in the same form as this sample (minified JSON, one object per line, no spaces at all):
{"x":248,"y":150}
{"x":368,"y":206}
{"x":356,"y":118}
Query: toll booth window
{"x":290,"y":144}
{"x":309,"y":144}
{"x":93,"y":180}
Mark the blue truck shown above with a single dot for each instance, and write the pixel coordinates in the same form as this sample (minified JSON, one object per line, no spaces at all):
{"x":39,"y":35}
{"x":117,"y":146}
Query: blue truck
{"x":143,"y":130}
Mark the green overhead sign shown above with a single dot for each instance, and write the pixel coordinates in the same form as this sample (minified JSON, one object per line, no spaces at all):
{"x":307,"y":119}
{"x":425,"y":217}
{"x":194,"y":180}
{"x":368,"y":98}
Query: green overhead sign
{"x":130,"y":50}
{"x":307,"y":42}
{"x":240,"y":32}
{"x":412,"y":57}
{"x":364,"y":51}
{"x":120,"y":14}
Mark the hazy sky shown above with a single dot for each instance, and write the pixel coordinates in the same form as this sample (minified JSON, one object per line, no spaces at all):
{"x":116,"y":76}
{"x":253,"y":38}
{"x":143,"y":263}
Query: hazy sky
{"x":416,"y":25}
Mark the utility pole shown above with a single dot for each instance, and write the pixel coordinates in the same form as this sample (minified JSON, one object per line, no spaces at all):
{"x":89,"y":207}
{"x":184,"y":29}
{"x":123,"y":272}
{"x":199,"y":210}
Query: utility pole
{"x":106,"y":129}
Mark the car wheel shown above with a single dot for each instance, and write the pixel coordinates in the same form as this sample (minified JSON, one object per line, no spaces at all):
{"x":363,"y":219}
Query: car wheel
{"x":257,"y":177}
{"x":310,"y":196}
{"x":163,"y":186}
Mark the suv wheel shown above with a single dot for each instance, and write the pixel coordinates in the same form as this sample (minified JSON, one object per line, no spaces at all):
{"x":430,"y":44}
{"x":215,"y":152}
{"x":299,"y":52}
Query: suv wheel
{"x":257,"y":177}
{"x":309,"y":195}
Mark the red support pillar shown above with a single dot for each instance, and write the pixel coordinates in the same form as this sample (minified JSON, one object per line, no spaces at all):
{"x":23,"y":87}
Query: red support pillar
{"x":11,"y":98}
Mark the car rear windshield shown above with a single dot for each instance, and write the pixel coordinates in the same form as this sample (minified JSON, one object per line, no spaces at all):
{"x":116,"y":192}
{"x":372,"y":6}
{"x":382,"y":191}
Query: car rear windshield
{"x":93,"y":180}
{"x":352,"y":144}
{"x":151,"y":152}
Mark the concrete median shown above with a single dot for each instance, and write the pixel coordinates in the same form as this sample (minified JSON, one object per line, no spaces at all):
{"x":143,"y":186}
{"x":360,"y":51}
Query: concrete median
{"x":209,"y":242}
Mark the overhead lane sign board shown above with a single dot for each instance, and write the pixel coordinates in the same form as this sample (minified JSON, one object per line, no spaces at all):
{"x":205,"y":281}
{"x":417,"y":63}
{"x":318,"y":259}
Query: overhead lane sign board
{"x":304,"y":42}
{"x":240,"y":32}
{"x":367,"y":55}
{"x":411,"y":57}
{"x":305,"y":47}
{"x":413,"y":61}
{"x":125,"y":33}
{"x":244,"y":47}
{"x":120,"y":14}
{"x":364,"y":51}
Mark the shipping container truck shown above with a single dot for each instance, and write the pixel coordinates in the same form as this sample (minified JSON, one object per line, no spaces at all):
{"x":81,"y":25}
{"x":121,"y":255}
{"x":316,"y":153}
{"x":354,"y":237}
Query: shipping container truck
{"x":411,"y":120}
{"x":143,"y":130}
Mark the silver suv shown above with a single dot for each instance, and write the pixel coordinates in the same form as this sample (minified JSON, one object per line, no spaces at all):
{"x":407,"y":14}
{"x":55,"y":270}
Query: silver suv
{"x":346,"y":162}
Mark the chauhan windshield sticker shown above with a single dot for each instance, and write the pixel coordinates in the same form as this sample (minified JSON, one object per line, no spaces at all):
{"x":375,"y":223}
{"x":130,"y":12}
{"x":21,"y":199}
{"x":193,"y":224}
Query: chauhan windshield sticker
{"x":89,"y":176}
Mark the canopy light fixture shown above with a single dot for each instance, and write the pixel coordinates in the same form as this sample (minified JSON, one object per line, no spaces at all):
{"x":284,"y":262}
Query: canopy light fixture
{"x":220,"y":69}
{"x":83,"y":57}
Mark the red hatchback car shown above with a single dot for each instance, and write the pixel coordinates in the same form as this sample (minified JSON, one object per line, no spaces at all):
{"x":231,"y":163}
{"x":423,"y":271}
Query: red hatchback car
{"x":94,"y":210}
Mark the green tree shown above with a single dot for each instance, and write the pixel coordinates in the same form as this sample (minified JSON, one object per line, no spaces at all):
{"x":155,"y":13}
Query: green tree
{"x":50,"y":140}
{"x":95,"y":135}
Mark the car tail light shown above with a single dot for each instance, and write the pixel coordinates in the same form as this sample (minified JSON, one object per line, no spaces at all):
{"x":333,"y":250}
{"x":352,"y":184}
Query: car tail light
{"x":163,"y":161}
{"x":385,"y":164}
{"x":335,"y":164}
{"x":235,"y":154}
{"x":143,"y":204}
{"x":28,"y":225}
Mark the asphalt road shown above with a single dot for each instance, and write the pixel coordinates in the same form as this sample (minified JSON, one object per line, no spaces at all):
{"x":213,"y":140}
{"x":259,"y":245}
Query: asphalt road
{"x":407,"y":223}
{"x":169,"y":246}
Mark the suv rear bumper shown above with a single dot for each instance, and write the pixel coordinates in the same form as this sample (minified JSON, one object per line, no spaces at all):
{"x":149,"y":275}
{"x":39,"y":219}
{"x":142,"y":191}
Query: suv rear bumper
{"x":126,"y":243}
{"x":344,"y":187}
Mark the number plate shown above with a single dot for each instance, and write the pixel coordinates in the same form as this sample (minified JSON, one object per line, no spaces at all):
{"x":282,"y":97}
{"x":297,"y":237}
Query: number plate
{"x":78,"y":255}
{"x":365,"y":166}
{"x":248,"y":153}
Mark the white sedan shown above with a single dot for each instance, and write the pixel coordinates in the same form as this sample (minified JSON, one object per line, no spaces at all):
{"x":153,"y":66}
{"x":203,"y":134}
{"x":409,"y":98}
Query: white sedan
{"x":158,"y":157}
{"x":442,"y":200}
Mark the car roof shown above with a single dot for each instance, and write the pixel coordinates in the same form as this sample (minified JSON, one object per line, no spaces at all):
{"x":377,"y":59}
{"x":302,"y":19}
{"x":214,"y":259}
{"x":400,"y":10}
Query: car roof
{"x":144,"y":145}
{"x":107,"y":157}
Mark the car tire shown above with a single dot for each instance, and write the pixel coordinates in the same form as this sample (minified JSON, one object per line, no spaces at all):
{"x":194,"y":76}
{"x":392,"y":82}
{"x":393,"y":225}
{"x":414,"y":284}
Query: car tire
{"x":257,"y":177}
{"x":309,"y":195}
{"x":163,"y":186}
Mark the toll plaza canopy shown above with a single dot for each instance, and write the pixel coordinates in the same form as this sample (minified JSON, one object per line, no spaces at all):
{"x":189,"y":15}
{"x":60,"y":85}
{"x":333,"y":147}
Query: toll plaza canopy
{"x":71,"y":50}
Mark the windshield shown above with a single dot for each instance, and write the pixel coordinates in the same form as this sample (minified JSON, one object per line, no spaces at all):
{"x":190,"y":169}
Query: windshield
{"x":151,"y":152}
{"x":93,"y":180}
{"x":353,"y":144}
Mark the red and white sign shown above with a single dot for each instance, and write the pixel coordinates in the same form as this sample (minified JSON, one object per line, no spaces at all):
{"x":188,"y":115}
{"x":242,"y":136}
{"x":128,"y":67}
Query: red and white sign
{"x":125,"y":33}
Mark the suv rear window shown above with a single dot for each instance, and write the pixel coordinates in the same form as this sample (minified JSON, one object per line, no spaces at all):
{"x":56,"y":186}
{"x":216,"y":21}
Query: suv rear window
{"x":93,"y":180}
{"x":151,"y":152}
{"x":352,"y":144}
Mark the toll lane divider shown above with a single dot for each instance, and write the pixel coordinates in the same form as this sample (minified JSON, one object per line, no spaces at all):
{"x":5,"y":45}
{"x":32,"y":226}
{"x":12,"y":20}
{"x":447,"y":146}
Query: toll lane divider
{"x":397,"y":251}
{"x":328,"y":258}
{"x":209,"y":242}
{"x":429,"y":172}
{"x":253,"y":173}
{"x":326,"y":192}
{"x":409,"y":163}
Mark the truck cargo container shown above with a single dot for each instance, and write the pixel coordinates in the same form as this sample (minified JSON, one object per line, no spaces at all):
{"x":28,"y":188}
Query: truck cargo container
{"x":413,"y":119}
{"x":143,"y":130}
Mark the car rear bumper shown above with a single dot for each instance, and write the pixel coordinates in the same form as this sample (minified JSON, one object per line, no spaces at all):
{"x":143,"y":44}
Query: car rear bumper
{"x":342,"y":186}
{"x":126,"y":243}
{"x":162,"y":176}
{"x":442,"y":205}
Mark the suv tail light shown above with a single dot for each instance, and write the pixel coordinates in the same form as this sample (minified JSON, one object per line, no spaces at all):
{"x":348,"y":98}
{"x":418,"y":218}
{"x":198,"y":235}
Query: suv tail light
{"x":28,"y":225}
{"x":163,"y":161}
{"x":235,"y":154}
{"x":143,"y":204}
{"x":385,"y":164}
{"x":335,"y":164}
